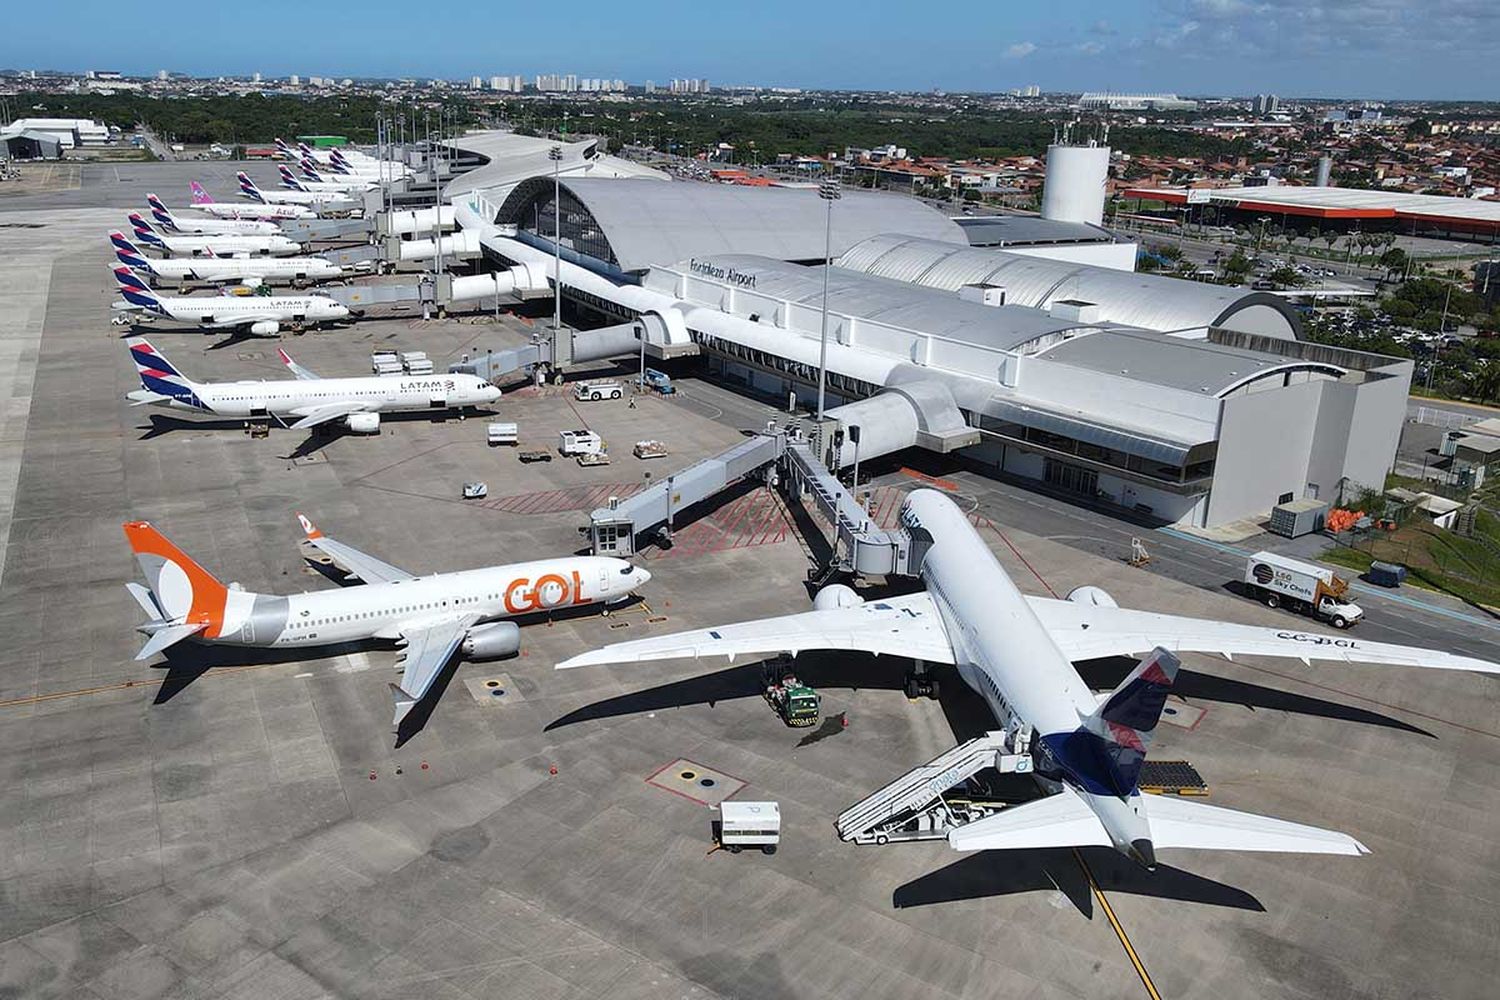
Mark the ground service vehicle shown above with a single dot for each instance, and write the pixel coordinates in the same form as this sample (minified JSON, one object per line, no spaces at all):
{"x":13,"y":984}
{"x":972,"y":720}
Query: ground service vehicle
{"x":796,"y":703}
{"x":749,"y":824}
{"x":1302,"y":587}
{"x":598,"y":390}
{"x":659,"y":381}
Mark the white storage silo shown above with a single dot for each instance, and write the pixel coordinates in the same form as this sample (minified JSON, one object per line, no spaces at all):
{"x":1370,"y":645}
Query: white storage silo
{"x":1074,"y":189}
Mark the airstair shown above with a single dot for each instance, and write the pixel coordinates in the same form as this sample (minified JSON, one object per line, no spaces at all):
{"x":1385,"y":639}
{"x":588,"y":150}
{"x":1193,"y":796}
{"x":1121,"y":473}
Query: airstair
{"x":915,"y":806}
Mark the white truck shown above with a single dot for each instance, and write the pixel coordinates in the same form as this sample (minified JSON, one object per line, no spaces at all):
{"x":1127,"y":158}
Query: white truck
{"x":1303,"y":587}
{"x":596,"y":391}
{"x":749,"y":824}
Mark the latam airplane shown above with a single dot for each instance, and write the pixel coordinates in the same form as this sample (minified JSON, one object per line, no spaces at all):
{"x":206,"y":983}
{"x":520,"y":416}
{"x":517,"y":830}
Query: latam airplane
{"x":212,"y":246}
{"x":307,"y":399}
{"x":311,"y":181}
{"x":432,"y":617}
{"x":245,"y":270}
{"x":1018,"y":652}
{"x":323,"y":202}
{"x":262,"y":315}
{"x":204,"y":202}
{"x":208,"y":227}
{"x":346,"y":162}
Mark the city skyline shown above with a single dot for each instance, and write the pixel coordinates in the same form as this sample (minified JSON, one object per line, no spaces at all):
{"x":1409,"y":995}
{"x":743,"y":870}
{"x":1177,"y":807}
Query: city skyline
{"x":1385,"y":49}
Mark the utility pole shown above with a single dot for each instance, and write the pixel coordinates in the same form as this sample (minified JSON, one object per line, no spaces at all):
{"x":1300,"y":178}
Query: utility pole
{"x":555,"y":155}
{"x":830,"y":192}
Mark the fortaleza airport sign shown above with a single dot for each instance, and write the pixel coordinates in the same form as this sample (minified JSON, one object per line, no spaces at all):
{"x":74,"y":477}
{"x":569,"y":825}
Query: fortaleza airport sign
{"x":728,"y":274}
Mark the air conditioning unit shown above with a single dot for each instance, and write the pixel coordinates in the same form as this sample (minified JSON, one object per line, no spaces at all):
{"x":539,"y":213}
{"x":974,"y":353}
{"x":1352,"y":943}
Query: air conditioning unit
{"x":985,"y":295}
{"x":1077,"y":311}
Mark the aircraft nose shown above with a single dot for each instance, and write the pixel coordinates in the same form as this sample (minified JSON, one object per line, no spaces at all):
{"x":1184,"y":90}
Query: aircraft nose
{"x":642,"y":577}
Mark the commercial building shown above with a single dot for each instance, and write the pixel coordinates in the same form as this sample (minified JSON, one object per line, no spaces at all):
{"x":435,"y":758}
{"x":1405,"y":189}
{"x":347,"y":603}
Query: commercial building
{"x":1334,"y":208}
{"x":68,"y":132}
{"x":1182,"y":402}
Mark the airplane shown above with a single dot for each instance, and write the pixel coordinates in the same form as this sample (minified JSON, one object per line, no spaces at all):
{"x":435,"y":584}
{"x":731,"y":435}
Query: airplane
{"x":311,"y":181}
{"x":308,"y":399}
{"x":212,"y":246}
{"x":345,"y":161}
{"x":261,"y":315}
{"x":432,"y":616}
{"x":1017,"y":653}
{"x":209,"y":227}
{"x":204,"y":202}
{"x":249,"y":271}
{"x":323,"y":202}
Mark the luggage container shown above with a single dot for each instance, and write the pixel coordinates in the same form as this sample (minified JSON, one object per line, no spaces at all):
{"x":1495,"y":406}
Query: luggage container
{"x":502,"y":433}
{"x":1298,"y":518}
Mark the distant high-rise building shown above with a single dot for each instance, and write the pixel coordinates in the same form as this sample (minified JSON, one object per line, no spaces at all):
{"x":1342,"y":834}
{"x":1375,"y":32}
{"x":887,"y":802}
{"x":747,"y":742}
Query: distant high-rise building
{"x":570,"y":83}
{"x":161,"y":74}
{"x":255,"y":78}
{"x":475,"y":83}
{"x":294,"y":80}
{"x":1265,"y":104}
{"x":1033,"y":91}
{"x":650,"y":85}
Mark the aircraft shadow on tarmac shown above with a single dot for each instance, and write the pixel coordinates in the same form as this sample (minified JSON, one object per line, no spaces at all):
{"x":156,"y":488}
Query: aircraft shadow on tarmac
{"x":188,"y":661}
{"x":965,"y":711}
{"x":1007,"y":873}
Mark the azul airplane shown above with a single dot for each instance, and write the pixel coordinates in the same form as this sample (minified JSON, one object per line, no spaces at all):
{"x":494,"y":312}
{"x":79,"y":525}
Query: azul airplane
{"x":208,"y":227}
{"x":246,"y":270}
{"x":321,"y":201}
{"x":212,"y":245}
{"x":306,"y":399}
{"x":432,"y":617}
{"x":1018,"y":652}
{"x":263,"y":315}
{"x":204,"y":202}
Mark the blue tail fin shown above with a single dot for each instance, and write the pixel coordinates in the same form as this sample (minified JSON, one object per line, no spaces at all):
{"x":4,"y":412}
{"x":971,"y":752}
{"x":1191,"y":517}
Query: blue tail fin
{"x":159,"y":212}
{"x":248,"y":188}
{"x":157,"y":374}
{"x":127,"y":253}
{"x":135,"y":291}
{"x":144,"y":232}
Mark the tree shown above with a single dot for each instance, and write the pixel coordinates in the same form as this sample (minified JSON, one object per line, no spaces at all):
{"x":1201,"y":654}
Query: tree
{"x":1237,"y":267}
{"x":1394,"y":261}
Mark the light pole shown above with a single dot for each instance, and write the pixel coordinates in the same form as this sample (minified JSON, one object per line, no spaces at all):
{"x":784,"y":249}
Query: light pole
{"x":830,"y":192}
{"x":555,"y":155}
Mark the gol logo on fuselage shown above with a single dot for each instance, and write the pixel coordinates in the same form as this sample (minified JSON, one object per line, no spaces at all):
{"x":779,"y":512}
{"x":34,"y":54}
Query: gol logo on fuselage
{"x":551,"y":590}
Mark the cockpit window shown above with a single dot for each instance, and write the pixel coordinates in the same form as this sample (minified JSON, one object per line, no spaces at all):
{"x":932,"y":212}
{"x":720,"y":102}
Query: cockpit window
{"x":629,"y":569}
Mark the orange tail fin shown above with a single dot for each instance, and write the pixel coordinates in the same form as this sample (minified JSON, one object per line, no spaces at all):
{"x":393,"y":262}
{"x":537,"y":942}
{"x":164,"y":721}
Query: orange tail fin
{"x":186,"y":591}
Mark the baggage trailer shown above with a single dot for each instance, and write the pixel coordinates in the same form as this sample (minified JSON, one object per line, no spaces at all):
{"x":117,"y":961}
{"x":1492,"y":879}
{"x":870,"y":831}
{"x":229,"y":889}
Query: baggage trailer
{"x":1306,"y":588}
{"x":749,"y":824}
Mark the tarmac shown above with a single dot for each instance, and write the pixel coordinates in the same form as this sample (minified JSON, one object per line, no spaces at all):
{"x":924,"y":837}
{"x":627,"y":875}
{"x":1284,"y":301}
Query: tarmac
{"x":229,"y":823}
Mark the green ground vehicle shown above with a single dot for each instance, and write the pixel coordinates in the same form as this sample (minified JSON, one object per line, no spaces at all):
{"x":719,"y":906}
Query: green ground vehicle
{"x":796,"y":703}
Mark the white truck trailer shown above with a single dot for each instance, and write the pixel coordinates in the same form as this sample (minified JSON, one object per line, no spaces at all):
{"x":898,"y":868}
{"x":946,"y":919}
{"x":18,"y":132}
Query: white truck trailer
{"x":1303,"y":587}
{"x":749,"y":824}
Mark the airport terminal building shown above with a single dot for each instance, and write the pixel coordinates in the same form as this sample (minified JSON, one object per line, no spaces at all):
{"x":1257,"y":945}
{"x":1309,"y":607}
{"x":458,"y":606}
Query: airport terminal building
{"x":1189,"y":403}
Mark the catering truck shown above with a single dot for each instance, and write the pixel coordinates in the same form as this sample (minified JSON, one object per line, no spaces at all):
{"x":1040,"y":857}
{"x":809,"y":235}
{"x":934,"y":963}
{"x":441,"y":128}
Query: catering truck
{"x":1302,"y":587}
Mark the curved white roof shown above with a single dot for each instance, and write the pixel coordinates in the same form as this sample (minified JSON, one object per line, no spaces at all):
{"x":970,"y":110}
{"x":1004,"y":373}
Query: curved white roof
{"x":649,"y":224}
{"x":512,"y":158}
{"x":1154,"y":302}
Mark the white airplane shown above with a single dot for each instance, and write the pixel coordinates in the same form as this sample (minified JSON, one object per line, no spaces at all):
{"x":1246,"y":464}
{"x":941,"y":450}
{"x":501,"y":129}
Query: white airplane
{"x":307,"y":399}
{"x":346,"y":162}
{"x":1017,"y":652}
{"x":246,"y":270}
{"x":313,"y":182}
{"x":240,"y":210}
{"x":432,"y":617}
{"x":212,"y":246}
{"x":209,"y":227}
{"x":263,"y":315}
{"x":326,"y":201}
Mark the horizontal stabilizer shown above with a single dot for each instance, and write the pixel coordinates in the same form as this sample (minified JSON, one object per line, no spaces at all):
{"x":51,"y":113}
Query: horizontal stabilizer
{"x":168,"y":636}
{"x":1060,"y":820}
{"x":146,"y":600}
{"x":1177,"y":822}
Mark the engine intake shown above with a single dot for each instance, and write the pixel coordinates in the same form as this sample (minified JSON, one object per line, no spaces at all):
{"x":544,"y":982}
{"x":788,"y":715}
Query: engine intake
{"x":492,"y":641}
{"x":1096,"y":596}
{"x":265,"y":327}
{"x":836,"y":595}
{"x":363,"y":423}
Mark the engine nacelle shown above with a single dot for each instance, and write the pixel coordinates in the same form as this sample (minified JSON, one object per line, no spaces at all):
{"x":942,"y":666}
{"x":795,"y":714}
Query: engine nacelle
{"x":492,"y":641}
{"x":265,"y":327}
{"x":251,"y":281}
{"x":363,"y":423}
{"x":1096,"y":596}
{"x":836,"y":596}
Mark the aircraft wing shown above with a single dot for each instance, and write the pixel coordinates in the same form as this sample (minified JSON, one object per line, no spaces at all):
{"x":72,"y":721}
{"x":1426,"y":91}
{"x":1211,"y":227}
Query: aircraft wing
{"x":366,"y":567}
{"x":429,"y":647}
{"x":312,"y":416}
{"x":903,"y":626}
{"x":1065,"y":820}
{"x":243,"y":320}
{"x":296,"y":369}
{"x":1086,"y":631}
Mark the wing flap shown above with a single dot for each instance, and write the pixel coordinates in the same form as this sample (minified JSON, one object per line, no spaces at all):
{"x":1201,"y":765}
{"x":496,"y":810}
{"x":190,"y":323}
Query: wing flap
{"x":903,"y":626}
{"x":1087,"y":631}
{"x":429,"y":647}
{"x":312,"y":416}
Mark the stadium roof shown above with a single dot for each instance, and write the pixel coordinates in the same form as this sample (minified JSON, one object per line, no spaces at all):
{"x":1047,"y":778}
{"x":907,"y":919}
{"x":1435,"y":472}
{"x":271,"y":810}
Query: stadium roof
{"x":1155,"y":302}
{"x":1344,"y":203}
{"x":647,"y":223}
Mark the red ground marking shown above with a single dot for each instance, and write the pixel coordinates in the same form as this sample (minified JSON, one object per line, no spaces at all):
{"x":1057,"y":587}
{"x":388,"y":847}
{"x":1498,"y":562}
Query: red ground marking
{"x":933,"y":481}
{"x":751,"y":520}
{"x":651,"y":780}
{"x":557,"y":501}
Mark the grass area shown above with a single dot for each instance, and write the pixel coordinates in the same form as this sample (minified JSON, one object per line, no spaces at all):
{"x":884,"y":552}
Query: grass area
{"x":1467,"y":568}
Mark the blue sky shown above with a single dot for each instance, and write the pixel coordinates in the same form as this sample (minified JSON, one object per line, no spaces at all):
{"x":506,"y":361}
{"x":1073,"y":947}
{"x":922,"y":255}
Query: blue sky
{"x":1370,"y":48}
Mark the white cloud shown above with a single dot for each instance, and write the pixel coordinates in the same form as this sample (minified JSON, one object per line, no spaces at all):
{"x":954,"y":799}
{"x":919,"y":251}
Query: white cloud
{"x":1020,"y":50}
{"x":1089,"y":48}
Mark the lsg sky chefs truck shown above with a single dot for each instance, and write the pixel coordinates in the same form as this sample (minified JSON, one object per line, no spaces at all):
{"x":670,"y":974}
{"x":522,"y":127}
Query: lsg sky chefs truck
{"x":1301,"y":587}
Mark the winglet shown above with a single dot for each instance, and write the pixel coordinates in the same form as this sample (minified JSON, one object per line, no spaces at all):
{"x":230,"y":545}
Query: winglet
{"x":404,"y":703}
{"x":310,"y":529}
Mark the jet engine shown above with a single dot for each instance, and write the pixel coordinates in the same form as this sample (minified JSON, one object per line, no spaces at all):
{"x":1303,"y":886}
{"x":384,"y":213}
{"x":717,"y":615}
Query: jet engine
{"x":1096,"y":596}
{"x":363,"y":423}
{"x":265,"y":327}
{"x":492,"y":641}
{"x":836,"y":596}
{"x":251,"y":282}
